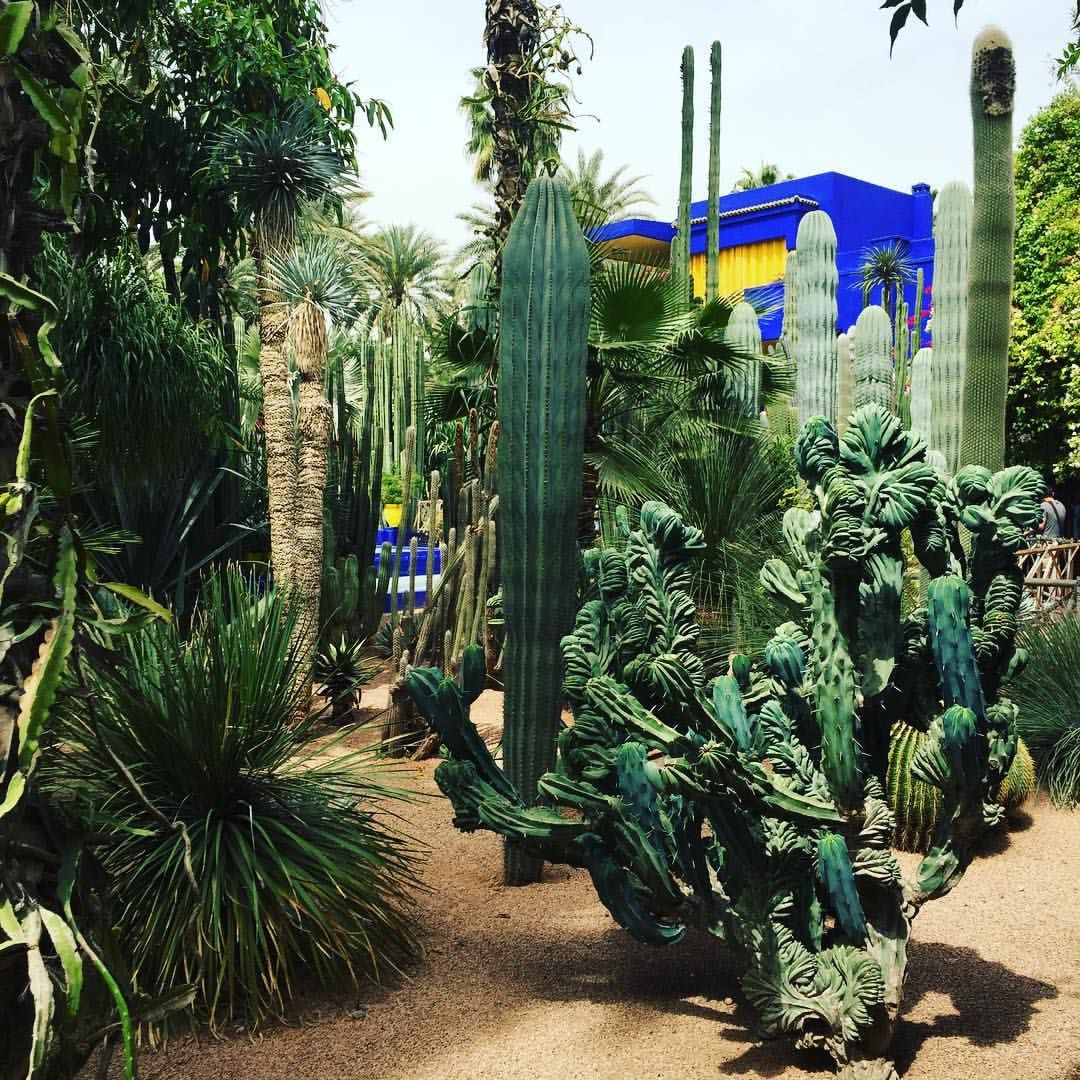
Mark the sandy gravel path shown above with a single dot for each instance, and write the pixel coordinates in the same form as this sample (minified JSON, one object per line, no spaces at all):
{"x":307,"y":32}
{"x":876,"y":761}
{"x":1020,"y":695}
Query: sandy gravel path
{"x":540,"y":983}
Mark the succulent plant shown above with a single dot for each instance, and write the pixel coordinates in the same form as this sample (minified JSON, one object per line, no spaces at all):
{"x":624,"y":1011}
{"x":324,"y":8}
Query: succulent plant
{"x":874,"y":375}
{"x":712,"y":212}
{"x":339,"y":673}
{"x":753,"y":804}
{"x":815,"y":315}
{"x":543,"y":345}
{"x":680,"y":244}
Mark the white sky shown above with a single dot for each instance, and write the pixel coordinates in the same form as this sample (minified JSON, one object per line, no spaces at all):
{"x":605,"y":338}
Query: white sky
{"x":810,"y":91}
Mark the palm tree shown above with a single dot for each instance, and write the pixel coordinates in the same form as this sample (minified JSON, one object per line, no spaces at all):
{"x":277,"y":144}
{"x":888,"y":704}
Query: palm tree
{"x":608,"y":198}
{"x":888,"y":267}
{"x":275,"y":170}
{"x":767,"y":173}
{"x":404,"y":267}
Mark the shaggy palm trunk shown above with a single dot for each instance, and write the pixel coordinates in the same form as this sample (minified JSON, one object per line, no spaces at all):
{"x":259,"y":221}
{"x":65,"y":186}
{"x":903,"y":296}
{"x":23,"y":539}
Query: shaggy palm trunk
{"x":310,"y":349}
{"x":511,"y":28}
{"x":279,"y":430}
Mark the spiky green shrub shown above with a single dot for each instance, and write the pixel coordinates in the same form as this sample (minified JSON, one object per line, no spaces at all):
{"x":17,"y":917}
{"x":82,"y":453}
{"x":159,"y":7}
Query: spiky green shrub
{"x":1048,"y":695}
{"x":240,"y":854}
{"x":752,"y":804}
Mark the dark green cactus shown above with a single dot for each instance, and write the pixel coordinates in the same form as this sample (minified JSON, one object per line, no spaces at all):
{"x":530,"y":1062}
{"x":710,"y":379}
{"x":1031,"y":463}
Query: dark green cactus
{"x":753,"y":805}
{"x":543,"y":335}
{"x":712,"y":213}
{"x":993,"y":84}
{"x":680,"y":244}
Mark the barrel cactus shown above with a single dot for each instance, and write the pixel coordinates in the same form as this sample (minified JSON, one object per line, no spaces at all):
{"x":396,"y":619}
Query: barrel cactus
{"x":753,"y":804}
{"x":874,"y":376}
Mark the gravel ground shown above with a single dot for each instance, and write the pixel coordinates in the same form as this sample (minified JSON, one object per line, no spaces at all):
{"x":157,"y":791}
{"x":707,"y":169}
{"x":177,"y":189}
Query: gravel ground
{"x":540,"y":983}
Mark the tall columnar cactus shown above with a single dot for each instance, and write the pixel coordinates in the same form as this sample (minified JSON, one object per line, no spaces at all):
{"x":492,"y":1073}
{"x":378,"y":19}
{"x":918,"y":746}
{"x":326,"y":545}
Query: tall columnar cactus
{"x":845,"y":380}
{"x":712,"y":214}
{"x":680,"y":244}
{"x":789,"y":333}
{"x":815,"y":317}
{"x":874,"y":375}
{"x":952,"y":241}
{"x":993,"y":83}
{"x":543,"y":333}
{"x":744,"y":332}
{"x":922,"y":388}
{"x":752,"y":805}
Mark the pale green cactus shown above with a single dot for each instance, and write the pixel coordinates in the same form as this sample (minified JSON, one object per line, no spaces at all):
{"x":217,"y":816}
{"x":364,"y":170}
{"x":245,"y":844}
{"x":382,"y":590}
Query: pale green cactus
{"x":952,"y":242}
{"x":922,"y":387}
{"x":815,"y":317}
{"x":874,"y":376}
{"x":744,"y":332}
{"x":845,"y":379}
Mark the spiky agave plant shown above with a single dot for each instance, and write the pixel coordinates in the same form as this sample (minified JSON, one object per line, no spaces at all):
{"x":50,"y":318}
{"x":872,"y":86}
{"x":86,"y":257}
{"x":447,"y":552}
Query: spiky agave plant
{"x":239,"y":855}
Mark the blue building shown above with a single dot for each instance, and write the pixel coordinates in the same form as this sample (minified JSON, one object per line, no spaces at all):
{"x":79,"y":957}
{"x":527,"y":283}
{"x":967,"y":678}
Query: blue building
{"x":758,"y":229}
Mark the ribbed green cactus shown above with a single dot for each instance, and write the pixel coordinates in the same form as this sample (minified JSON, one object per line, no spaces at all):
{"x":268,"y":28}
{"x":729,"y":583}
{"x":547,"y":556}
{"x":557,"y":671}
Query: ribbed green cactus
{"x":815,"y":317}
{"x":753,"y":805}
{"x":744,"y":332}
{"x":845,"y":379}
{"x":874,"y":375}
{"x":917,"y":805}
{"x":680,"y":244}
{"x":789,"y":333}
{"x":922,"y":389}
{"x":712,"y":213}
{"x":993,"y":84}
{"x":543,"y":334}
{"x":952,"y":242}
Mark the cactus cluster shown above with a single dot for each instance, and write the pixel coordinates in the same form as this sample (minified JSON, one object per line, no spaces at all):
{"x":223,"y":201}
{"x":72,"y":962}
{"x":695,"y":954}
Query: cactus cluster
{"x":753,"y":804}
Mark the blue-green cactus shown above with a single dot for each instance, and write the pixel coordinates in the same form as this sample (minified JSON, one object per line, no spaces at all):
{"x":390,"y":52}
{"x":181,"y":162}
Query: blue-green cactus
{"x":751,"y":805}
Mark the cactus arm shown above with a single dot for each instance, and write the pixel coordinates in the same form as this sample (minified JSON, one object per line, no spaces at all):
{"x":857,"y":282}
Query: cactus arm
{"x":838,"y":881}
{"x":993,"y":84}
{"x":680,"y":245}
{"x":712,"y":223}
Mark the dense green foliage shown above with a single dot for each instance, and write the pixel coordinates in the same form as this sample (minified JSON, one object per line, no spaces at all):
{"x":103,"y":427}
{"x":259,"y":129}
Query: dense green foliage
{"x":1044,"y":392}
{"x":240,"y":855}
{"x":1048,"y":693}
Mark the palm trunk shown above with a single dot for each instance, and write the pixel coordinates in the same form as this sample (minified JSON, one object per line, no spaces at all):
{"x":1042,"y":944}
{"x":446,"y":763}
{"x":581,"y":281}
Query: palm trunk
{"x":511,"y":28}
{"x":310,"y":345}
{"x":279,"y":430}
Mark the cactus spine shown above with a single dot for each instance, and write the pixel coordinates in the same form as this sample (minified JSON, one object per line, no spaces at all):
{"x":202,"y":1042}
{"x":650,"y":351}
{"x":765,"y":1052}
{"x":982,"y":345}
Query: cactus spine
{"x":815,"y":317}
{"x":680,"y":245}
{"x":543,"y":332}
{"x":744,"y":332}
{"x":952,"y":239}
{"x":845,"y":381}
{"x":873,"y":360}
{"x":993,"y":83}
{"x":712,"y":219}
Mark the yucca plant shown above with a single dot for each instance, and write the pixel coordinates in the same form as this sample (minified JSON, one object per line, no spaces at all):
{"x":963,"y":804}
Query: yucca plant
{"x":1048,"y":693}
{"x":241,"y":853}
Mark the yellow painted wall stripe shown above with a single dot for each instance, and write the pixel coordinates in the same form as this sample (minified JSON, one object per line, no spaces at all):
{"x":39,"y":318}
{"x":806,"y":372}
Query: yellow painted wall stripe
{"x":760,"y":263}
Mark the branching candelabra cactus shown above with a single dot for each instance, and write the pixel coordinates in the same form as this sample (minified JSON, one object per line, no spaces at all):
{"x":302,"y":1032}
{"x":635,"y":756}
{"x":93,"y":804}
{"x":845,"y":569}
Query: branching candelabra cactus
{"x":753,"y":805}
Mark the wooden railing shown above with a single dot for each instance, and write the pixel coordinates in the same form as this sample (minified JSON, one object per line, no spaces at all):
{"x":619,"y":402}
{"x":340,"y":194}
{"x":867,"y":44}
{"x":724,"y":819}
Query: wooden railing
{"x":1050,"y":573}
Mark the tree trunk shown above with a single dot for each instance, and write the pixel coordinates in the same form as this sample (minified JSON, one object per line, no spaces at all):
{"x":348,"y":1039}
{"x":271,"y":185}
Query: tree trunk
{"x":511,"y":29}
{"x":279,"y":429}
{"x":310,"y":347}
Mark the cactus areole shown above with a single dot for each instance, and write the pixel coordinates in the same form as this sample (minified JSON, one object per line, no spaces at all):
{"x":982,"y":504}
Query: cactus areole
{"x":753,"y":805}
{"x":543,"y":334}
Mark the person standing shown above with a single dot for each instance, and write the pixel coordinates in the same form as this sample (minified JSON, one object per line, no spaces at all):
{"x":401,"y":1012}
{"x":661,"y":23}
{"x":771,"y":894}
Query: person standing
{"x":1053,"y":517}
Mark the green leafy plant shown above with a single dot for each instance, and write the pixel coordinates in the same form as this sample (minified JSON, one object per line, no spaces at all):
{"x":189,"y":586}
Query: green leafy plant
{"x":240,"y":853}
{"x":393,"y":487}
{"x":1048,"y":694}
{"x":340,"y":672}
